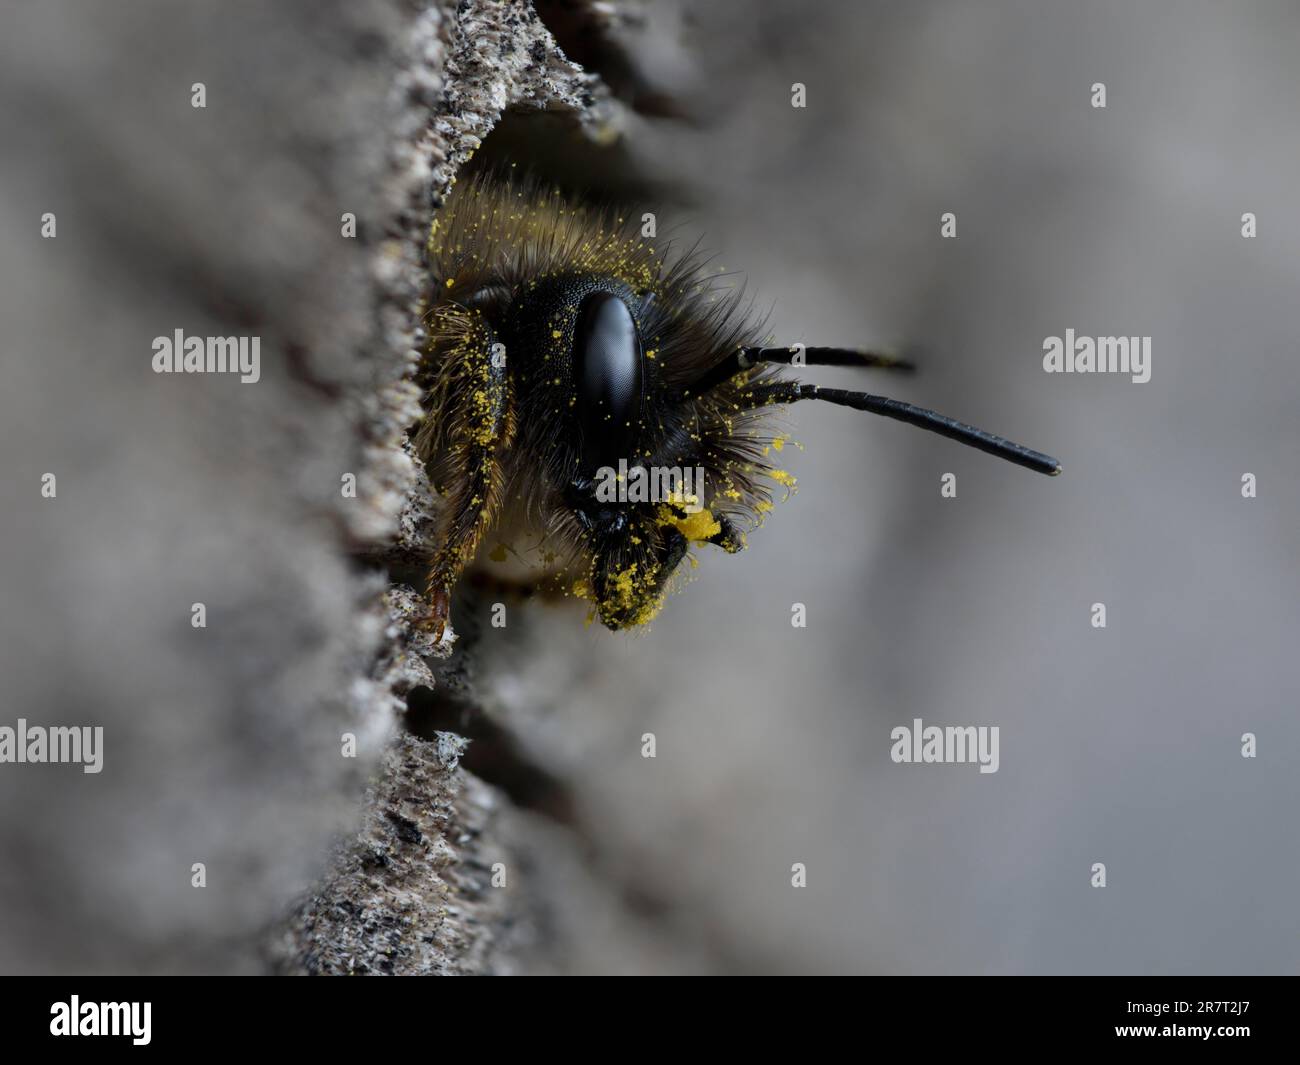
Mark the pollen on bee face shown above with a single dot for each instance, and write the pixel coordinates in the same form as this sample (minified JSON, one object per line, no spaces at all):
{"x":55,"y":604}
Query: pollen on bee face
{"x":698,"y":527}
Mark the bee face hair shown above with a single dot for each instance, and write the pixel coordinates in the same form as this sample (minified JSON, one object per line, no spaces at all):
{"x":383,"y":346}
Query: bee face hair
{"x":563,"y":343}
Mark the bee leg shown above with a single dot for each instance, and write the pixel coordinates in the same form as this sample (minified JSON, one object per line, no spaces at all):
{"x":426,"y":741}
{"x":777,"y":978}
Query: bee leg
{"x":728,"y":537}
{"x":439,"y":613}
{"x":471,"y":503}
{"x":479,"y":430}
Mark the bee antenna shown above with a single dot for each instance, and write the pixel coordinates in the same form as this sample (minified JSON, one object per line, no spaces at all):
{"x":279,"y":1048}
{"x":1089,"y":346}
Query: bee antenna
{"x":819,"y":356}
{"x":797,"y":355}
{"x":792,"y":392}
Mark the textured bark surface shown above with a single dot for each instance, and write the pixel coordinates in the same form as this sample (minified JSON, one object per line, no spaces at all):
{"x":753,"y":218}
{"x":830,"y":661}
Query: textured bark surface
{"x":414,"y":892}
{"x":411,"y":894}
{"x":224,"y":744}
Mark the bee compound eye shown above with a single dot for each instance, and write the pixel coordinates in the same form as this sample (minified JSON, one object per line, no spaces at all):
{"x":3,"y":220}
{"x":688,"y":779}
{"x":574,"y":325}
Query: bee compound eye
{"x":609,"y":378}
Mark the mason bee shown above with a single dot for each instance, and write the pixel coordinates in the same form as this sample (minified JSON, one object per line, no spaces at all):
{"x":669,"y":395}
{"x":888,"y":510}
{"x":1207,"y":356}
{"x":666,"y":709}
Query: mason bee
{"x":563,"y":345}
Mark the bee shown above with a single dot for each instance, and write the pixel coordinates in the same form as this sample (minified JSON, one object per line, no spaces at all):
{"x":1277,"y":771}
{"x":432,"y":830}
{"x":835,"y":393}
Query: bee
{"x":562,"y":344}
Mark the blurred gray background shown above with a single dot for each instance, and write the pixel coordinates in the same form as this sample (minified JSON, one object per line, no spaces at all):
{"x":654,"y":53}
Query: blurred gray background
{"x":1119,"y":746}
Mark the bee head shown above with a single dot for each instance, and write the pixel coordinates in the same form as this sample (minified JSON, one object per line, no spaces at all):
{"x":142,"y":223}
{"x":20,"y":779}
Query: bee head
{"x":617,"y":356}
